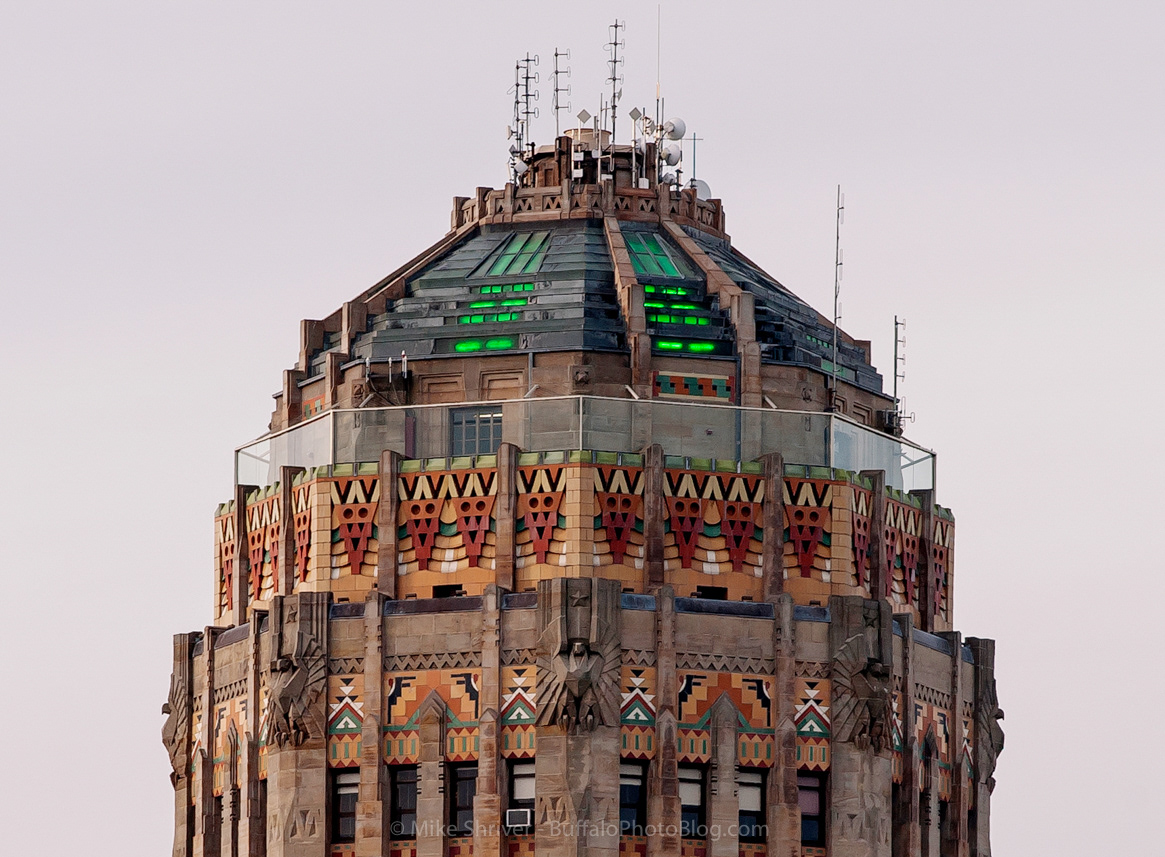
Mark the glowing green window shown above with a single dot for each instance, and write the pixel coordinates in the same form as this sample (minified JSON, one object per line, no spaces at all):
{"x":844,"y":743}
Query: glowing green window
{"x":694,"y":320}
{"x":522,"y":254}
{"x":648,"y":255}
{"x":489,"y":317}
{"x":508,"y":287}
{"x":506,"y":302}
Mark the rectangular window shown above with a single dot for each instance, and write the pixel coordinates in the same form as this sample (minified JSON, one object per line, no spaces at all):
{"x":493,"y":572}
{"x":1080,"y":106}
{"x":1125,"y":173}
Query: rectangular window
{"x":750,"y":788}
{"x":649,"y":256}
{"x":462,"y":785}
{"x":448,"y":590}
{"x":345,"y":791}
{"x":632,"y":799}
{"x":403,"y":785}
{"x":692,"y":800}
{"x":520,"y":816}
{"x":811,"y":800}
{"x":521,"y":254}
{"x":475,"y":431}
{"x":522,"y":785}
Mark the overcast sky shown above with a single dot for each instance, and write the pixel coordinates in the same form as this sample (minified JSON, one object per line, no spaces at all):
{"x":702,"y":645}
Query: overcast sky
{"x":181,"y":183}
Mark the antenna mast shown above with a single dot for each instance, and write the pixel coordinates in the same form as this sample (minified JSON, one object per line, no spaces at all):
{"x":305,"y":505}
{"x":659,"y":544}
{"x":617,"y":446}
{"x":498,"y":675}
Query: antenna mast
{"x":900,"y":415}
{"x":560,"y":89}
{"x":692,"y":180}
{"x":528,"y":95}
{"x":615,"y":78}
{"x":837,"y":263}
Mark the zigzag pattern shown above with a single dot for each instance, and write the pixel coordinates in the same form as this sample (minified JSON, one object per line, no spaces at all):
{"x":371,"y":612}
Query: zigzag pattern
{"x":931,"y":696}
{"x":639,"y":657}
{"x":724,"y":663}
{"x":519,"y":656}
{"x":811,"y":669}
{"x":345,"y":666}
{"x":432,"y":661}
{"x":229,"y":691}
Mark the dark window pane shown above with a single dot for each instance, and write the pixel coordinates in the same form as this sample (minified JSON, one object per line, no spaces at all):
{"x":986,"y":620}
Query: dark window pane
{"x":810,"y":830}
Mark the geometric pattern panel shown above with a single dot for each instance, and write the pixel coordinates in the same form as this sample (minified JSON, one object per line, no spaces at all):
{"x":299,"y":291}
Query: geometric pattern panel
{"x":345,"y":719}
{"x":355,"y":500}
{"x":901,"y":542}
{"x":808,"y":528}
{"x":751,"y":694}
{"x":713,"y":527}
{"x":694,"y":386}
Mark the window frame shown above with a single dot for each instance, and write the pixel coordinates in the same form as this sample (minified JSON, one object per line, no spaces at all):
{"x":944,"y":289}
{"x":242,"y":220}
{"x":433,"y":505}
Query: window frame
{"x":345,"y":793}
{"x":400,"y":814}
{"x":650,"y":256}
{"x":758,"y":830}
{"x":521,"y":253}
{"x":458,"y":775}
{"x":813,"y":782}
{"x":460,"y":419}
{"x":638,"y":806}
{"x":696,"y":775}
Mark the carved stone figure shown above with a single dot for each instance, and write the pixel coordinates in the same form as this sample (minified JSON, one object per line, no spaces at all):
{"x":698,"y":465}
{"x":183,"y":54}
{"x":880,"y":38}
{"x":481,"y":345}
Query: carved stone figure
{"x":579,"y":654}
{"x":296,"y":683}
{"x":989,"y":733}
{"x":861,"y":697}
{"x":176,"y":727}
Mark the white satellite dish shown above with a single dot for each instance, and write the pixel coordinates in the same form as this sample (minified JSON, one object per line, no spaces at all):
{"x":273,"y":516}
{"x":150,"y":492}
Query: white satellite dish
{"x":675,"y":129}
{"x":668,"y":178}
{"x":702,"y":189}
{"x":672,"y":154}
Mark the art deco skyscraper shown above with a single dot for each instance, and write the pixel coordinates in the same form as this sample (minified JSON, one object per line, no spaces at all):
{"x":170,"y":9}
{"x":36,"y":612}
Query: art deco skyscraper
{"x":575,"y":535}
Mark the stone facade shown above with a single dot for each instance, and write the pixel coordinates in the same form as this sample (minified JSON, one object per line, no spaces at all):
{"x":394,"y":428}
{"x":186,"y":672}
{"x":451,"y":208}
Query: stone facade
{"x":613,"y":649}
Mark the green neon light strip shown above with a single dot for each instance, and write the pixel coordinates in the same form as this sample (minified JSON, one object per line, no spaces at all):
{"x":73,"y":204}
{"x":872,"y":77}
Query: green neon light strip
{"x":678,"y":319}
{"x":489,"y":318}
{"x":508,"y":287}
{"x":470,"y":345}
{"x":506,"y":302}
{"x":666,"y":290}
{"x":694,"y":347}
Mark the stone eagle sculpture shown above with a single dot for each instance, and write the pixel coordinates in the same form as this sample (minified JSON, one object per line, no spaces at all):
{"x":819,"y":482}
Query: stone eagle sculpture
{"x":579,"y":654}
{"x":861,"y":697}
{"x":296,"y":683}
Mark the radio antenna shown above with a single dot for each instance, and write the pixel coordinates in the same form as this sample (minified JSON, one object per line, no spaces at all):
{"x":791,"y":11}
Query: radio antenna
{"x":559,"y":90}
{"x":837,"y":263}
{"x":900,"y":415}
{"x":528,"y":95}
{"x":614,"y":78}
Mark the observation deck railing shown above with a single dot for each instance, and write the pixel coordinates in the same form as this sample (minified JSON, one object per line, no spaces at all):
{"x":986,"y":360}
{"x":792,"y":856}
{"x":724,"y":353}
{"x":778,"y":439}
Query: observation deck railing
{"x":691,"y":430}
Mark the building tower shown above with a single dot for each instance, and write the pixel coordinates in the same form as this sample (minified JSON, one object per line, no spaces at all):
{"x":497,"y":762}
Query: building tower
{"x":562,"y":542}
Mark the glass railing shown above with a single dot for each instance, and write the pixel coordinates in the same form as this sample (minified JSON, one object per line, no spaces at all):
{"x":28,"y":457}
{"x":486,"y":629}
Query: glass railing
{"x":684,"y":429}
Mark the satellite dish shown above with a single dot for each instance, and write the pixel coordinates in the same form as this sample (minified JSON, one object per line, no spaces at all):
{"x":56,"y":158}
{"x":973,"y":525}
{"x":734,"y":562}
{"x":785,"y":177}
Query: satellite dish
{"x":671,"y":154}
{"x":674,"y":129}
{"x":702,"y":189}
{"x":668,"y":178}
{"x":520,"y":167}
